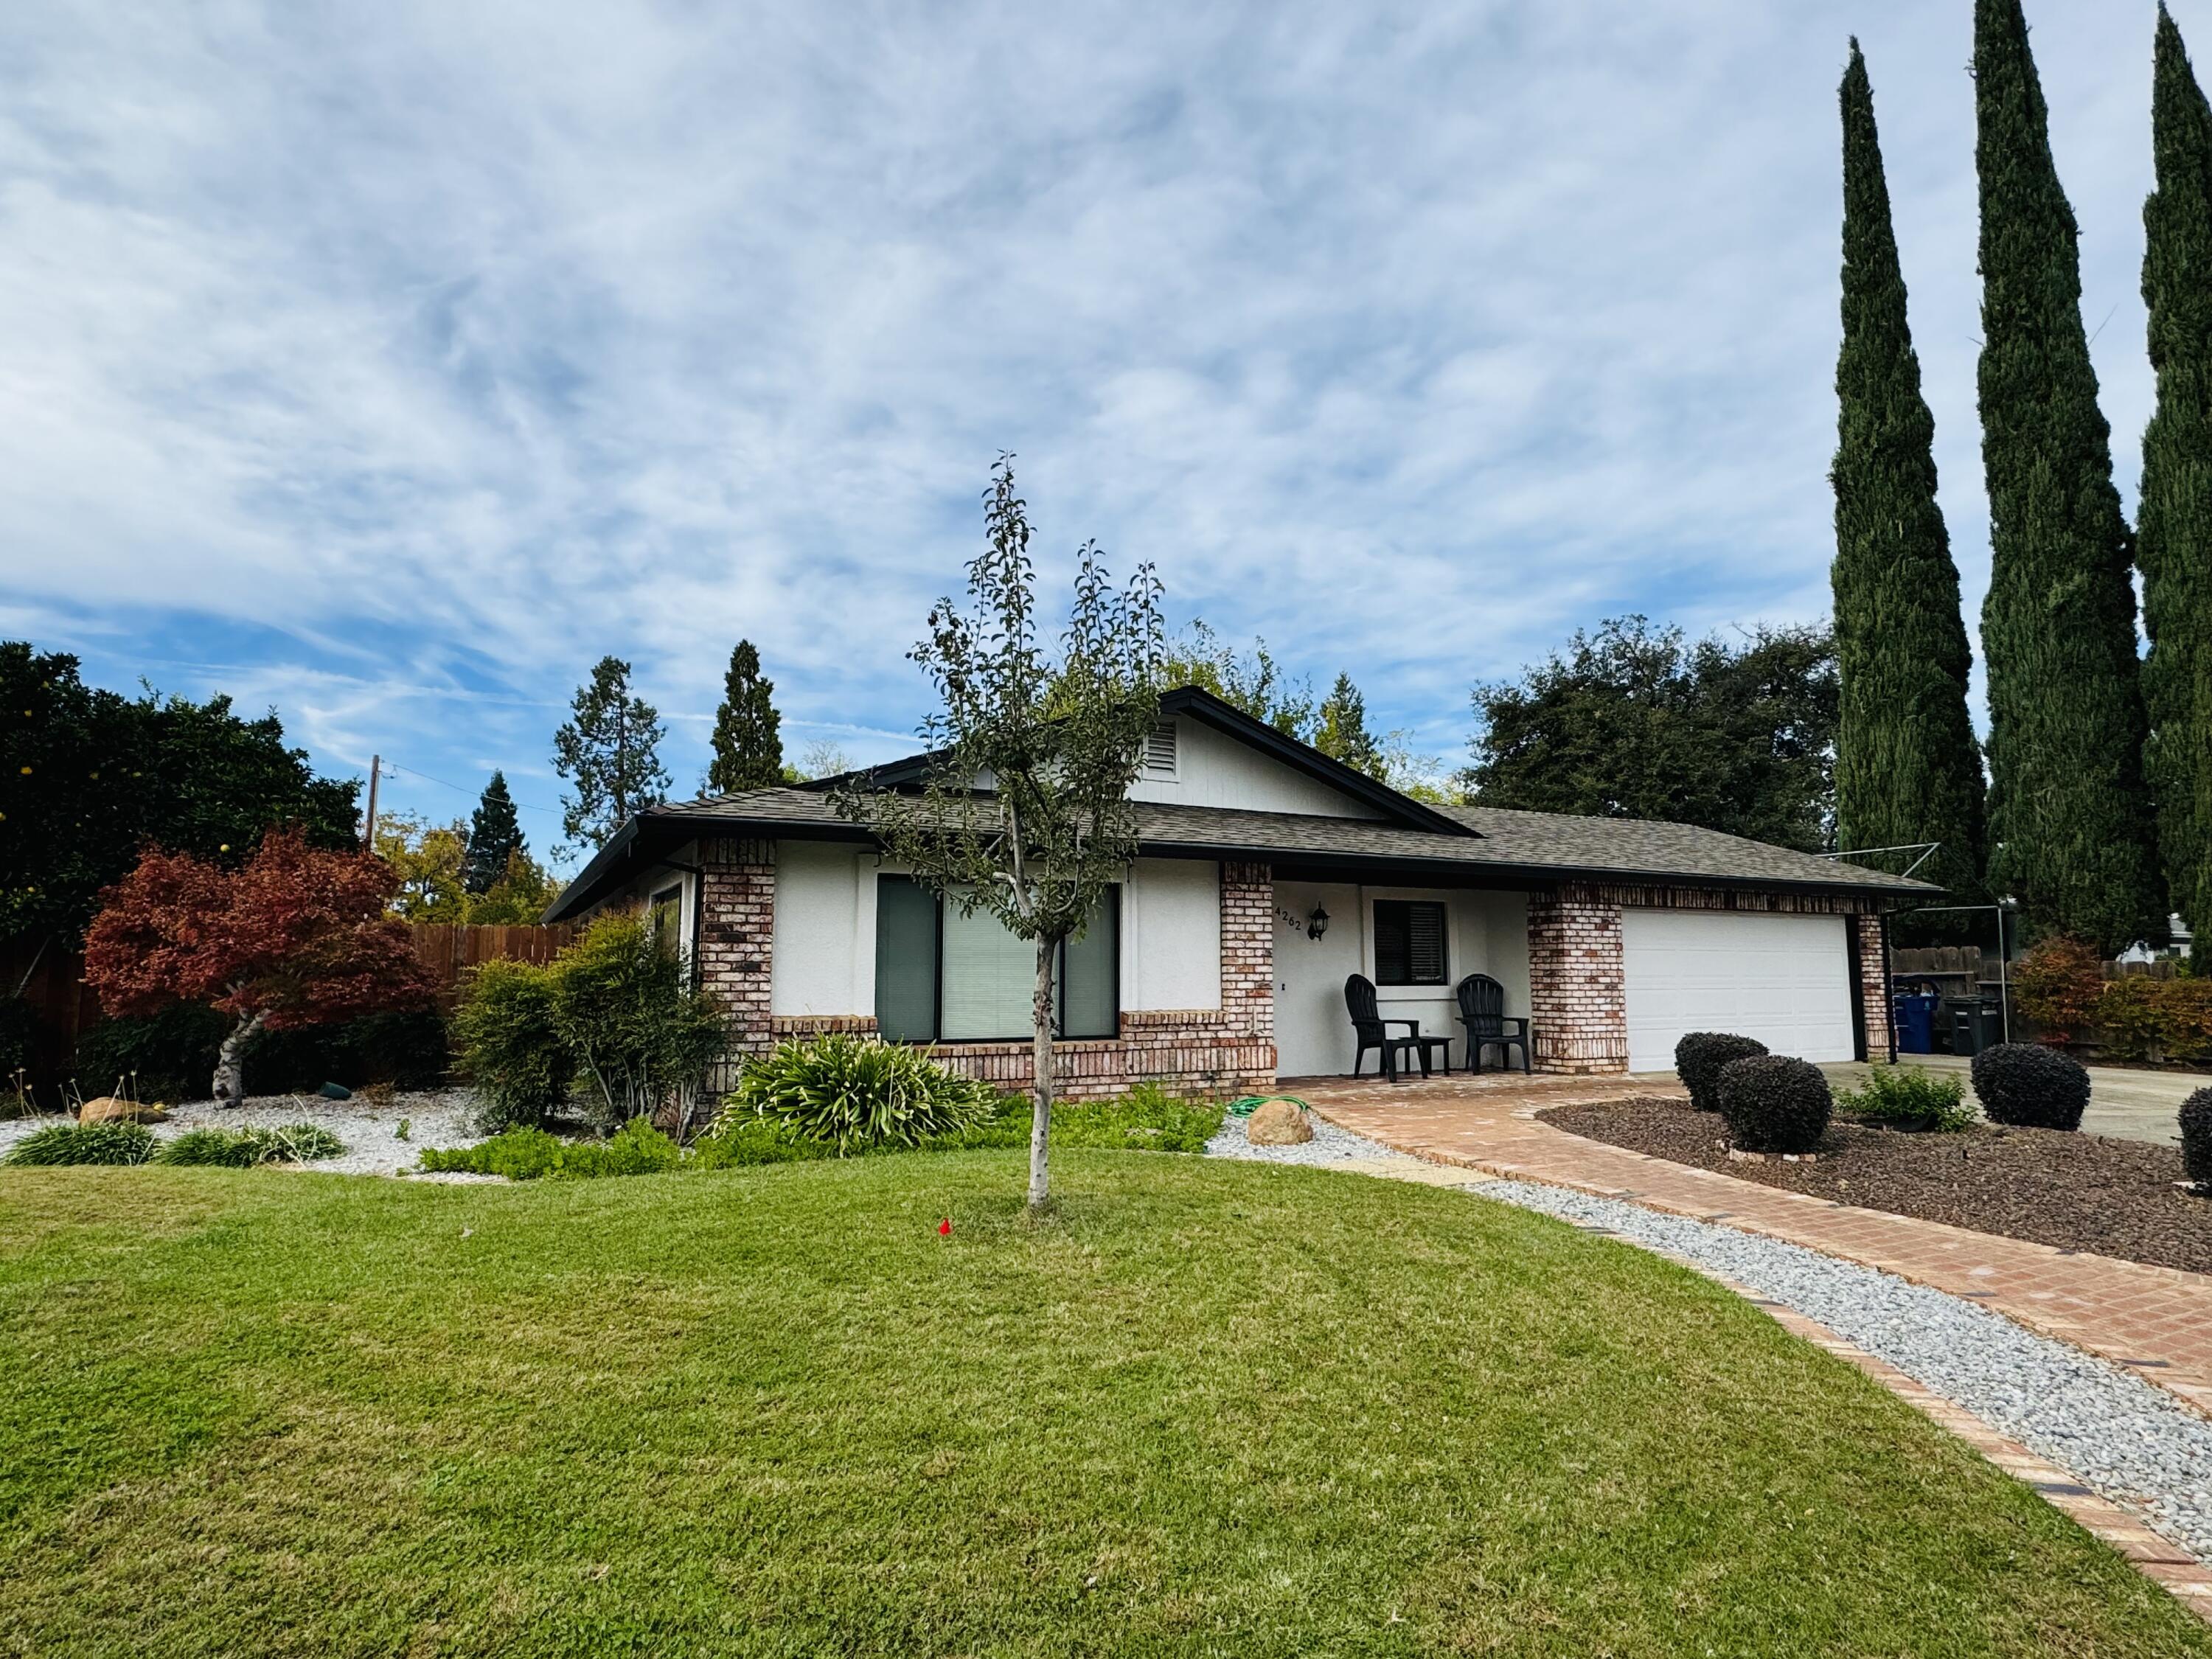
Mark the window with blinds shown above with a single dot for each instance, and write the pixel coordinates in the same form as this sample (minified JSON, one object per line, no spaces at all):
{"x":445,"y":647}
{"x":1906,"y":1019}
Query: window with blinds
{"x":1409,"y":942}
{"x":943,"y":976}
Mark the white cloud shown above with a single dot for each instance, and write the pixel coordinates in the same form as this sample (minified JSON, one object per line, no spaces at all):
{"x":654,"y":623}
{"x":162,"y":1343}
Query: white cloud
{"x":431,"y":350}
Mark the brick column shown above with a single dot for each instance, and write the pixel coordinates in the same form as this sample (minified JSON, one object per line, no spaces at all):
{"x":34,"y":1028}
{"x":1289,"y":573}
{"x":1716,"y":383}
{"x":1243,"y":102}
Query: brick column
{"x":736,"y":943}
{"x":1577,"y":988}
{"x":1873,"y":987}
{"x":1248,"y":967}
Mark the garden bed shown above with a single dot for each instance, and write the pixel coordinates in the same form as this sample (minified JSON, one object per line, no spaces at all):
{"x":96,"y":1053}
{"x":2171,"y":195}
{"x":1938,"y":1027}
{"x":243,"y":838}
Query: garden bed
{"x":2077,"y":1192}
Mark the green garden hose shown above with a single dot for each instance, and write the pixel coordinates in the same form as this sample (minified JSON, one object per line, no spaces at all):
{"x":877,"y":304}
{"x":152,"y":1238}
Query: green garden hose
{"x":1251,"y":1104}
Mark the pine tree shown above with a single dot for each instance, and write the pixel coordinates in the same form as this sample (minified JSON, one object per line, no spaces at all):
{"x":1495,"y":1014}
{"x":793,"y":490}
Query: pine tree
{"x":493,"y":835}
{"x":2071,"y":823}
{"x":1907,"y":768}
{"x":1342,"y":729}
{"x":611,"y":753}
{"x":2174,"y":533}
{"x":748,"y":751}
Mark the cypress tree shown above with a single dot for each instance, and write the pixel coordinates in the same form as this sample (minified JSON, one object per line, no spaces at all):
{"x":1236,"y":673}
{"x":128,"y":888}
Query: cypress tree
{"x":1907,"y":768}
{"x":748,"y":749}
{"x":2174,"y":533}
{"x":493,"y":835}
{"x":2070,"y":824}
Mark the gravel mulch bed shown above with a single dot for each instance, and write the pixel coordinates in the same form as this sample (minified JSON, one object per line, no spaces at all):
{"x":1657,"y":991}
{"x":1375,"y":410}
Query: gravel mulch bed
{"x":2122,"y":1437}
{"x":369,"y":1127}
{"x":2077,"y":1192}
{"x":1329,"y":1144}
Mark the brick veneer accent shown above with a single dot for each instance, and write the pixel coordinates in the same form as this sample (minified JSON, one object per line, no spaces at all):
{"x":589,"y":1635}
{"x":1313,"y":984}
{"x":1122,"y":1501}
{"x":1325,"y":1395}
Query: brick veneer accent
{"x":1873,"y":962}
{"x":737,"y":943}
{"x":1578,"y":986}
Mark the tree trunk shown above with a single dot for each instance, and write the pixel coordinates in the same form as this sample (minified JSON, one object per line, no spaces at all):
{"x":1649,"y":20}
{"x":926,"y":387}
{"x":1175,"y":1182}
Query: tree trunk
{"x":1041,"y":1115}
{"x":230,"y":1061}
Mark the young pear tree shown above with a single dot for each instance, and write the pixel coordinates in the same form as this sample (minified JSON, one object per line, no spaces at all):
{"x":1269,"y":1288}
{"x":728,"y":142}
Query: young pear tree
{"x":1024,"y":811}
{"x":295,"y":936}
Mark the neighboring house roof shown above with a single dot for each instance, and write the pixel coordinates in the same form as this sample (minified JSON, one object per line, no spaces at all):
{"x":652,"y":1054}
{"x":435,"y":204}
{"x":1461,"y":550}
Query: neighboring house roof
{"x":1483,"y":845}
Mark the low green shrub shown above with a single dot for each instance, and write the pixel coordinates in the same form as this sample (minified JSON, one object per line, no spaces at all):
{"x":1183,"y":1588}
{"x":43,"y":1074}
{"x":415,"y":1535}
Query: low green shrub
{"x":1699,"y":1058}
{"x":859,"y":1093}
{"x":509,"y":1044}
{"x":85,"y":1143}
{"x":1148,"y":1118}
{"x":1773,"y":1103}
{"x":2028,"y":1086}
{"x":247,"y":1148}
{"x":738,"y":1140}
{"x":1909,"y":1099}
{"x":2196,"y":1138}
{"x":527,"y":1153}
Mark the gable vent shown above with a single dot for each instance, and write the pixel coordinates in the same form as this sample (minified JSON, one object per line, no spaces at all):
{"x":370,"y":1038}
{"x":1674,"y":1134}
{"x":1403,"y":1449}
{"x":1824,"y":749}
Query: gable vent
{"x":1160,"y":751}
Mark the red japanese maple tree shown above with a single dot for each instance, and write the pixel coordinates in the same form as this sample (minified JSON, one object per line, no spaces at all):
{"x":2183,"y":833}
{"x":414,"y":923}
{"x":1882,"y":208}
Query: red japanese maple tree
{"x":296,"y":936}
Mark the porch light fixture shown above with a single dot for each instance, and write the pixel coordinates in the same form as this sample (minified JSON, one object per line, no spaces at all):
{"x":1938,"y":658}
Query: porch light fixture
{"x":1318,"y":923}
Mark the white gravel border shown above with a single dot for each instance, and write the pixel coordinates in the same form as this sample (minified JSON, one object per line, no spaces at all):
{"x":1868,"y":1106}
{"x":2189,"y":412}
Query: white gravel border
{"x":1329,"y":1144}
{"x":369,"y":1129}
{"x":2126,"y":1439}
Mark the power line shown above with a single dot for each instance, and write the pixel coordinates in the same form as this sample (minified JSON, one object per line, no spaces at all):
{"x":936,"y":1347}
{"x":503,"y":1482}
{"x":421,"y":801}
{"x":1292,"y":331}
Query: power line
{"x":527,"y":806}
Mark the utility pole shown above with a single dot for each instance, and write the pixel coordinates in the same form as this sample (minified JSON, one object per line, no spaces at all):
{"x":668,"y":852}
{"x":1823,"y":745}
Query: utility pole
{"x":369,"y":826}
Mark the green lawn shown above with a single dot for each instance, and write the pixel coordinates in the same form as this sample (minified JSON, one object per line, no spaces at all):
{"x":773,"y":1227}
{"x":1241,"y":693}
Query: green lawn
{"x":1210,"y":1408}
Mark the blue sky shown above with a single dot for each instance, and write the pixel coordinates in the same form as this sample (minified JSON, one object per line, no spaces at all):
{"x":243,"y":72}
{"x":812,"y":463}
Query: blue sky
{"x":389,"y":365}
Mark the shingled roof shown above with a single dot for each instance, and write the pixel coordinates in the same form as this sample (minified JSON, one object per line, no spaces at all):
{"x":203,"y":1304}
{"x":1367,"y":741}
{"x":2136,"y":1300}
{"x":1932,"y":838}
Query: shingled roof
{"x":1494,"y":847}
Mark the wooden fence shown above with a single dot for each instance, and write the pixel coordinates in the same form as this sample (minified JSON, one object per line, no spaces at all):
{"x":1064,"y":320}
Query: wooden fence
{"x":449,"y":951}
{"x":52,"y":978}
{"x":1969,"y":962}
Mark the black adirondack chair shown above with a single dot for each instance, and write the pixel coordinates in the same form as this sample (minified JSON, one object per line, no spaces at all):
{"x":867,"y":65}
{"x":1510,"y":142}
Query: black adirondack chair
{"x":1482,"y":1011}
{"x":1374,"y":1032}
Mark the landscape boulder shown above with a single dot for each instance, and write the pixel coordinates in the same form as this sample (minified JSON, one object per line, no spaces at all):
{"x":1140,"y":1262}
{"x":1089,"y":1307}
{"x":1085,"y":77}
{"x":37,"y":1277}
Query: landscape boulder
{"x":1278,"y":1123}
{"x":113,"y":1108}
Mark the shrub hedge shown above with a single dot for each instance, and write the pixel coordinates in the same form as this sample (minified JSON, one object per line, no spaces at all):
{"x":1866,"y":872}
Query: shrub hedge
{"x":1699,"y":1058}
{"x":173,"y":1053}
{"x":2061,"y":986}
{"x":2196,"y":1138}
{"x":85,"y":1143}
{"x":1773,"y":1103}
{"x":2031,"y":1086}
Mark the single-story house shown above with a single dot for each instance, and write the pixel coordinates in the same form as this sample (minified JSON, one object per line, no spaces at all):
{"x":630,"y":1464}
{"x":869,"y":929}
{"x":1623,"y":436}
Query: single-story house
{"x":1267,"y":874}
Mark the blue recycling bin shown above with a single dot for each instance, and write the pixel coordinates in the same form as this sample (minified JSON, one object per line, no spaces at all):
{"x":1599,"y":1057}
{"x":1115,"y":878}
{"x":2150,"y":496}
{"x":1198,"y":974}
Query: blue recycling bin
{"x":1916,"y":1022}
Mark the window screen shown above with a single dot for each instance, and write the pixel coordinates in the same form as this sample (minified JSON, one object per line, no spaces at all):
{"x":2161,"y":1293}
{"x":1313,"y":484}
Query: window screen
{"x":1089,"y":991}
{"x":906,"y":960}
{"x":941,"y":976}
{"x":1409,"y":942}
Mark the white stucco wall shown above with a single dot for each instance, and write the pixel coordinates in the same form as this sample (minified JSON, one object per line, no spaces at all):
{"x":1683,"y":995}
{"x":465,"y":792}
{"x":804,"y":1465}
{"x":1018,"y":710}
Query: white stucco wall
{"x":1487,"y":933}
{"x":824,"y":961}
{"x":1171,"y":934}
{"x":1215,"y":769}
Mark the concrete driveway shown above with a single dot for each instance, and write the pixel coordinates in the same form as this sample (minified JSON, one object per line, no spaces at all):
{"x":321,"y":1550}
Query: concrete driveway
{"x":2130,"y":1105}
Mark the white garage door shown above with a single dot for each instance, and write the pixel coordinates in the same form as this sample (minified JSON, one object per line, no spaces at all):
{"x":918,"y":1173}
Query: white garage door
{"x":1781,"y":979}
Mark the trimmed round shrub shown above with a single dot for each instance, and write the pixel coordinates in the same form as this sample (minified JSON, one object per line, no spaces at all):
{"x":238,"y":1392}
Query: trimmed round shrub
{"x":1700,"y":1057}
{"x":85,"y":1143}
{"x":855,"y":1093}
{"x":2032,"y":1087}
{"x":2196,"y":1138}
{"x":1774,"y":1103}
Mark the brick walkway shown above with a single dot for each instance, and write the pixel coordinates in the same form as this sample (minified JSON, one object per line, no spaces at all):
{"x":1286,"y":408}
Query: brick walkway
{"x":2156,"y":1320}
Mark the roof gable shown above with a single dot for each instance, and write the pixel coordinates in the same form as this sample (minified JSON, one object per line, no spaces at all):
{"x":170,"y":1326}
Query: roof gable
{"x":1369,"y":797}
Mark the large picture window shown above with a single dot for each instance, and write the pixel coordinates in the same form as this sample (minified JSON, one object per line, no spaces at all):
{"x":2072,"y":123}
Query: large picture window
{"x":1409,"y":942}
{"x":944,"y":977}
